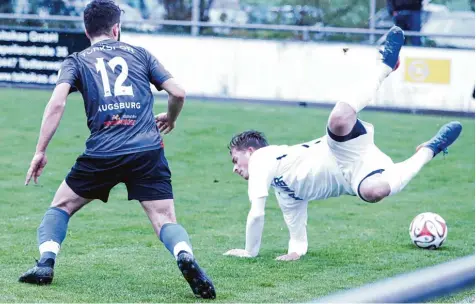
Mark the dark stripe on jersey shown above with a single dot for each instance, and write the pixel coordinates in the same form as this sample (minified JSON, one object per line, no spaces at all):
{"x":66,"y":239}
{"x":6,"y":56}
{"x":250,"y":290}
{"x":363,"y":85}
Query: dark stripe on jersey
{"x":356,"y":131}
{"x":368,"y":175}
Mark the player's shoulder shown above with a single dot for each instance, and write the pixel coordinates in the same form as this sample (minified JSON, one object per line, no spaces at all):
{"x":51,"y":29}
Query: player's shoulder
{"x":133,"y":47}
{"x":139,"y":51}
{"x":269,"y":153}
{"x":312,"y":143}
{"x":71,"y":59}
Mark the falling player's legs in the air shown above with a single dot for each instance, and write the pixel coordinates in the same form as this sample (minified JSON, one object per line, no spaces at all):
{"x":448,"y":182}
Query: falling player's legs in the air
{"x":372,"y":174}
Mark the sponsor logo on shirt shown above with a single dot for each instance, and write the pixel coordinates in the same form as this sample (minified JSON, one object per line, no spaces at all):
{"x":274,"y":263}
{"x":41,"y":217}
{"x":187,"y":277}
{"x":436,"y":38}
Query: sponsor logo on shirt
{"x":118,"y":106}
{"x":278,"y":182}
{"x":106,"y":48}
{"x":117,"y":120}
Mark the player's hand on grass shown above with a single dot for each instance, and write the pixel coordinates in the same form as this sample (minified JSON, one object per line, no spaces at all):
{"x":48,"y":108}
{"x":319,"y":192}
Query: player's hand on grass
{"x":241,"y":253}
{"x":293,"y":256}
{"x":37,"y":165}
{"x":163,"y":123}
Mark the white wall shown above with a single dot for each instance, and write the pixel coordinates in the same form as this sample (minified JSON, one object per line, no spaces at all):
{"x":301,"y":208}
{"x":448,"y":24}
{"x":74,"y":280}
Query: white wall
{"x":440,"y":79}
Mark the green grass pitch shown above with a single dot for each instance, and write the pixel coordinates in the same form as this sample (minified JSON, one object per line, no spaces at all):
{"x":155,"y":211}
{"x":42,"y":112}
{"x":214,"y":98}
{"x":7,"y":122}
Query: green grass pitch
{"x":112,"y":255}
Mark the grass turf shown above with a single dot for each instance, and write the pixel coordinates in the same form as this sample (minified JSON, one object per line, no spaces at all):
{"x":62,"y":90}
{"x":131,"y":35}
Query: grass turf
{"x":112,"y":255}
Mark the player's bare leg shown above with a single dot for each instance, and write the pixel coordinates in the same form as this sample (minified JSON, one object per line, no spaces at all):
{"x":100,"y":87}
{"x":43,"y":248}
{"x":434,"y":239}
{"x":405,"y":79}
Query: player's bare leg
{"x":342,"y":121}
{"x":343,"y":118}
{"x":162,"y":216}
{"x":52,"y":232}
{"x":394,"y":179}
{"x":344,"y":115}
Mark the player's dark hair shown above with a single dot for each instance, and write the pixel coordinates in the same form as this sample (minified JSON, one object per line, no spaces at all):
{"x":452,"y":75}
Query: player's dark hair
{"x":248,"y":139}
{"x":100,"y":16}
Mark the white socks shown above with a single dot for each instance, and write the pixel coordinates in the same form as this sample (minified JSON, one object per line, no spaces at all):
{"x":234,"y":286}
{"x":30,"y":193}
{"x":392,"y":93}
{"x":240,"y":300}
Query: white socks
{"x":400,"y":174}
{"x":182,"y":246}
{"x":49,"y":246}
{"x":365,"y":89}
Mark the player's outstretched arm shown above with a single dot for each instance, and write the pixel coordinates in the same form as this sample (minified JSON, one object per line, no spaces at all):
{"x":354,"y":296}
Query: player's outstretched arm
{"x":254,"y":230}
{"x":166,"y":121}
{"x":51,"y":118}
{"x":296,"y":220}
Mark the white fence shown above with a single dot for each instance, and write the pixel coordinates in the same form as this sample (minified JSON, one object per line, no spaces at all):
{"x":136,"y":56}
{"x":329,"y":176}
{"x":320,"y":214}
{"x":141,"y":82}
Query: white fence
{"x":432,"y":79}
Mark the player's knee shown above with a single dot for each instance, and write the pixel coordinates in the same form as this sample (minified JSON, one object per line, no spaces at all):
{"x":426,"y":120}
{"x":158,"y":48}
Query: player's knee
{"x":68,"y":204}
{"x":341,"y":122}
{"x":67,"y":200}
{"x":64,"y":205}
{"x":161,"y":212}
{"x":167,"y":214}
{"x":373,"y":189}
{"x":374,"y":195}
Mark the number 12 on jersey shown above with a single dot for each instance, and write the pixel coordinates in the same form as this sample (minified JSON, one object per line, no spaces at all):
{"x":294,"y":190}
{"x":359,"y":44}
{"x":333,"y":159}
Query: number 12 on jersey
{"x":119,"y":89}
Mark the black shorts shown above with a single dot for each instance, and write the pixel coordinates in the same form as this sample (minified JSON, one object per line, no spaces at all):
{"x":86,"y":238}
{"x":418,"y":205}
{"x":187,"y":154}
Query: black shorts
{"x":146,"y":175}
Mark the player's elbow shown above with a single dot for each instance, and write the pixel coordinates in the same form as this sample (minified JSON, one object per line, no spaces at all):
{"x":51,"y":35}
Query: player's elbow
{"x":178,"y":94}
{"x":56,"y":105}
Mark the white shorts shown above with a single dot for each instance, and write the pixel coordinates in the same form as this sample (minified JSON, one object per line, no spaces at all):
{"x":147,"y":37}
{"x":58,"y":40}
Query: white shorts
{"x":359,"y":157}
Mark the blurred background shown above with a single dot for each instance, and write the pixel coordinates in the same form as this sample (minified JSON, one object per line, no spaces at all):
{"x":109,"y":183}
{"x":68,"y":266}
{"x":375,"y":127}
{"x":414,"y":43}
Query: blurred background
{"x":248,"y":48}
{"x":315,"y":20}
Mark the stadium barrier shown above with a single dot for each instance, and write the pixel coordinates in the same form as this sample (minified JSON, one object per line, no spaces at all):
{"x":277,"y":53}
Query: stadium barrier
{"x":34,"y":57}
{"x":314,"y":73}
{"x":194,"y":25}
{"x":413,"y":287}
{"x":223,"y":68}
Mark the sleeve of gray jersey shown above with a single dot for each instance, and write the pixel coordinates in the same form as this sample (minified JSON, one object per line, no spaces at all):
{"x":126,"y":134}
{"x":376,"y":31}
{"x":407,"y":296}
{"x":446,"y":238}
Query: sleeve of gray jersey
{"x":157,"y":72}
{"x":68,"y":73}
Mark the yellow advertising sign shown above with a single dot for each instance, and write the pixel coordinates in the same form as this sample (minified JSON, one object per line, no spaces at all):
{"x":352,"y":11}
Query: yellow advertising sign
{"x":423,"y":70}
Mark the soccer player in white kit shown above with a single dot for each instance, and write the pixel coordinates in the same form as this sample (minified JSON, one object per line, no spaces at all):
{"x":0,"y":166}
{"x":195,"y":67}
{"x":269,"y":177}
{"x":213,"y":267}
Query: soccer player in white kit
{"x":344,"y":162}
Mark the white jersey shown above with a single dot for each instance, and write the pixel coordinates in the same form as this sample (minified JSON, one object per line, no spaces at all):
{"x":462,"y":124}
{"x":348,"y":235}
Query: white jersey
{"x":301,"y":172}
{"x":316,"y":170}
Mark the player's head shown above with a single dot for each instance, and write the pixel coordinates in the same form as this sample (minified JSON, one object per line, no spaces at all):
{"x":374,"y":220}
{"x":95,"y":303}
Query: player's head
{"x":102,"y":18}
{"x":242,"y":146}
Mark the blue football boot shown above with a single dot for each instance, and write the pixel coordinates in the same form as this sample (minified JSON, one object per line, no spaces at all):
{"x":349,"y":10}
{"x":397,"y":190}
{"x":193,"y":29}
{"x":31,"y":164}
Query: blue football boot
{"x":444,"y":138}
{"x":41,"y":274}
{"x":201,"y":285}
{"x":392,"y":46}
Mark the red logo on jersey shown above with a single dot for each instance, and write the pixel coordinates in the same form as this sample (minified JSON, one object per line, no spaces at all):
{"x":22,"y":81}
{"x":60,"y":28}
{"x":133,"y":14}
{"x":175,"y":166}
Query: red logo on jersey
{"x":117,"y":121}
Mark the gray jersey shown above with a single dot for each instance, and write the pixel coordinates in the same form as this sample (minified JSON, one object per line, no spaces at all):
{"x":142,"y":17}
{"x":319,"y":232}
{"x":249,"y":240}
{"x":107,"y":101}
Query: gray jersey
{"x":114,"y":79}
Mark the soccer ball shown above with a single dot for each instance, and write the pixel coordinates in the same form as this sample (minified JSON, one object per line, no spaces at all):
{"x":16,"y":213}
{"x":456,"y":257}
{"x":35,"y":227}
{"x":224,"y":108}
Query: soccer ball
{"x":428,"y":230}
